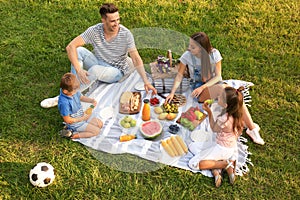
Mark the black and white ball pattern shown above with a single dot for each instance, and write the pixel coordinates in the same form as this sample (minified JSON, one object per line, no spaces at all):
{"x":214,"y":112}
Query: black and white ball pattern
{"x":42,"y":175}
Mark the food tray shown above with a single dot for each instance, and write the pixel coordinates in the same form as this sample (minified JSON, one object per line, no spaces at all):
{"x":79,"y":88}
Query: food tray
{"x":126,"y":110}
{"x":195,"y":122}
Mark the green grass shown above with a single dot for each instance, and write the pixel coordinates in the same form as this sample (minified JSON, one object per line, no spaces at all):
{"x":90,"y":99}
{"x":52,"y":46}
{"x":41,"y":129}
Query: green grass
{"x":259,"y":41}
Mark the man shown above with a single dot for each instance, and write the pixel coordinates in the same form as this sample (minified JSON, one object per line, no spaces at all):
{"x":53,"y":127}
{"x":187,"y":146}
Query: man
{"x":111,"y":43}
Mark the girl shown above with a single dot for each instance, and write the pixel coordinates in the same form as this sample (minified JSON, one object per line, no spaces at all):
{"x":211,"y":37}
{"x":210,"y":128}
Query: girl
{"x":203,"y":63}
{"x":71,"y":110}
{"x":228,"y":125}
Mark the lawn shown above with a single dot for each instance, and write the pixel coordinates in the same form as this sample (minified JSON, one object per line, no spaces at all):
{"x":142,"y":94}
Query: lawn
{"x":259,"y":41}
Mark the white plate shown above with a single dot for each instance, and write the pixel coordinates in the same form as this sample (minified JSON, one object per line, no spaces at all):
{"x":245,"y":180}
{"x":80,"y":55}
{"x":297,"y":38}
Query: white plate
{"x":106,"y":113}
{"x":139,"y":86}
{"x":200,"y":136}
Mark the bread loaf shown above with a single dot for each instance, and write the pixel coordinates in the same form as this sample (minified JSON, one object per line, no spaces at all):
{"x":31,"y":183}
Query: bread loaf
{"x":125,"y":97}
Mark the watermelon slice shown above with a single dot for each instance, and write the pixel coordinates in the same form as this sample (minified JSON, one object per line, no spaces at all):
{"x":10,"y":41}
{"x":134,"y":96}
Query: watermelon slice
{"x":151,"y":129}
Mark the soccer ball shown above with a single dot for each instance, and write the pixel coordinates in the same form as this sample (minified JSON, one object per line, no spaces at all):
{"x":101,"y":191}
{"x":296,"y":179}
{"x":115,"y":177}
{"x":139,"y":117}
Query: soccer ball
{"x":42,"y":175}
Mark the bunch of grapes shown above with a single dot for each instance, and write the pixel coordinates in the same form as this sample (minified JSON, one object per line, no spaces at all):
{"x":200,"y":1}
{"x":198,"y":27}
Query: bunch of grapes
{"x":170,"y":108}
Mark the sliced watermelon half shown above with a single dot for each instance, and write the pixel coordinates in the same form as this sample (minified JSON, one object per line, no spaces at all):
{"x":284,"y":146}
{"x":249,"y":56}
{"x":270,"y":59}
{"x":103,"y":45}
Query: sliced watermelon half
{"x":151,"y":129}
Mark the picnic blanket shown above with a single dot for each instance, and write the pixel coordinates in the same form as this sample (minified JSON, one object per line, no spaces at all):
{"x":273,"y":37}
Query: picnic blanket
{"x":108,"y":148}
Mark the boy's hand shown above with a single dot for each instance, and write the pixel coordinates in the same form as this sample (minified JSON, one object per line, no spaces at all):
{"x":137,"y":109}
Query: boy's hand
{"x":94,"y":102}
{"x":85,"y":117}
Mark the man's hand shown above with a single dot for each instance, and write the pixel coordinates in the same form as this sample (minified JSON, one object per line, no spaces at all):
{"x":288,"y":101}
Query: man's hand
{"x":82,"y":76}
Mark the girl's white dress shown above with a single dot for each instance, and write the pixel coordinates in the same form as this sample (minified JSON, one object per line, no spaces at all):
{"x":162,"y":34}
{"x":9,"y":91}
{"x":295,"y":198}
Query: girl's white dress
{"x":223,"y":145}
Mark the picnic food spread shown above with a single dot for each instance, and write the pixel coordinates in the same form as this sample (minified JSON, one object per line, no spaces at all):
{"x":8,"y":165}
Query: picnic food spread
{"x":130,"y":102}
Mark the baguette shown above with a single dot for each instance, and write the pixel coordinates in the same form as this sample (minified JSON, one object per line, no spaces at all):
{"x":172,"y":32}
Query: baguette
{"x":170,"y":143}
{"x":182,"y":143}
{"x":177,"y":146}
{"x":167,"y":148}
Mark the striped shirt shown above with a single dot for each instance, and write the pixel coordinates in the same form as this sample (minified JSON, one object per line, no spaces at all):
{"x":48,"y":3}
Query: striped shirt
{"x":114,"y":52}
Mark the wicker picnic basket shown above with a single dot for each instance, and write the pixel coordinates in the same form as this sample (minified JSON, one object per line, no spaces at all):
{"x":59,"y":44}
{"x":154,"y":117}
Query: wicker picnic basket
{"x":163,"y":81}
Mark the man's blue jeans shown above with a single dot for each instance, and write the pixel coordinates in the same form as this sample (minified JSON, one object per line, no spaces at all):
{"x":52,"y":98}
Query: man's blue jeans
{"x":97,"y":69}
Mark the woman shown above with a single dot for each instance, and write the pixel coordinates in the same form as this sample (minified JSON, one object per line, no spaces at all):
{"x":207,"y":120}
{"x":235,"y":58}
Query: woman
{"x":204,"y":66}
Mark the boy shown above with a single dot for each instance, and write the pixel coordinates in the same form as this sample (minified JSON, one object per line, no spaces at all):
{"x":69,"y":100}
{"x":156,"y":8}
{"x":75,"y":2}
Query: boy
{"x":70,"y":108}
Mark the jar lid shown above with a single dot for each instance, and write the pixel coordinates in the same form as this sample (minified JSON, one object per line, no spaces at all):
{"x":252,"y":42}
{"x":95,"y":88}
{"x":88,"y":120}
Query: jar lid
{"x":146,"y":100}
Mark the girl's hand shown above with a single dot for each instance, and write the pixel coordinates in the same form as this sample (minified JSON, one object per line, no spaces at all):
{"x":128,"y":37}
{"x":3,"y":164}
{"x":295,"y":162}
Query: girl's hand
{"x":206,"y":107}
{"x":169,"y":98}
{"x":197,"y":92}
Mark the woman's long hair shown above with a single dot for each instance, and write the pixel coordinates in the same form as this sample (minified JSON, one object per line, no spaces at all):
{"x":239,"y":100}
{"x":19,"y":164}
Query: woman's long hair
{"x":234,"y":100}
{"x":202,"y":39}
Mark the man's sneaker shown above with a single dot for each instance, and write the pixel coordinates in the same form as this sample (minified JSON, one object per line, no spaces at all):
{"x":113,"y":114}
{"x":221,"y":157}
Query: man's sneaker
{"x":66,"y":133}
{"x":50,"y":102}
{"x":254,"y":134}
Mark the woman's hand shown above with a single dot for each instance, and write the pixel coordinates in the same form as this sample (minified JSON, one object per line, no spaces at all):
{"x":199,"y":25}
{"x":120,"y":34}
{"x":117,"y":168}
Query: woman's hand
{"x":197,"y":92}
{"x":148,"y":87}
{"x":169,"y":98}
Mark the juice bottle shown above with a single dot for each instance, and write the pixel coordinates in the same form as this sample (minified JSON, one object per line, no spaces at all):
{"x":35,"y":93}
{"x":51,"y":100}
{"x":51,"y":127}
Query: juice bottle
{"x":125,"y":138}
{"x":89,"y":110}
{"x":146,"y":110}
